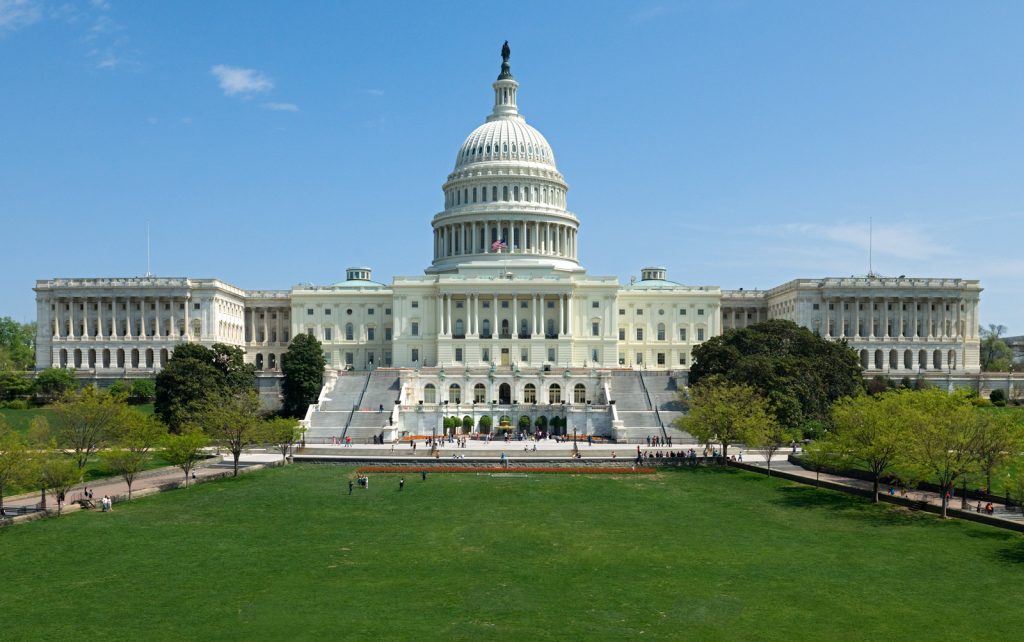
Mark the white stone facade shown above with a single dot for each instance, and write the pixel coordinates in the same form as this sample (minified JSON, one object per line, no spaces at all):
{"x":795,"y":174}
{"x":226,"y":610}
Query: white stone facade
{"x":504,"y":294}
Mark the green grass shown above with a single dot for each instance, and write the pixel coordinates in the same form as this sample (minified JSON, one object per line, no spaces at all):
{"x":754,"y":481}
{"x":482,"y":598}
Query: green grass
{"x":698,"y":554}
{"x":19,"y":420}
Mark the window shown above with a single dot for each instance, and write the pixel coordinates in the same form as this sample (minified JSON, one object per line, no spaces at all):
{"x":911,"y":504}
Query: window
{"x":639,"y":334}
{"x":700,"y":312}
{"x":349,"y":332}
{"x":661,"y":332}
{"x":682,"y":359}
{"x":370,"y":311}
{"x":454,"y":394}
{"x":595,"y":329}
{"x":349,"y":312}
{"x":416,"y":356}
{"x":595,"y":304}
{"x":310,"y":331}
{"x":579,"y":393}
{"x":429,"y":392}
{"x":551,"y":354}
{"x":816,"y":306}
{"x":554,"y":393}
{"x":327,"y":311}
{"x":622,"y":334}
{"x":486,"y":355}
{"x":458,"y":355}
{"x":661,"y":358}
{"x":458,"y":305}
{"x":487,"y":305}
{"x":387,"y":334}
{"x":682,"y":334}
{"x":369,"y":358}
{"x":551,"y":305}
{"x":415,"y":304}
{"x":369,"y":334}
{"x":639,"y":358}
{"x":595,"y":355}
{"x":700,"y":334}
{"x":387,"y":311}
{"x":682,"y":312}
{"x":504,"y":304}
{"x":414,"y":329}
{"x":309,"y":311}
{"x":524,"y":355}
{"x":622,"y":312}
{"x":523,"y":305}
{"x":195,"y":306}
{"x":350,"y":358}
{"x":327,"y":334}
{"x":639,"y":312}
{"x":529,"y":393}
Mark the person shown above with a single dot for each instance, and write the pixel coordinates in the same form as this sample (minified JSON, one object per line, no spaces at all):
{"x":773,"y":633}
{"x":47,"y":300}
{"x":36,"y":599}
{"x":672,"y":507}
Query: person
{"x":366,"y":482}
{"x":978,"y":509}
{"x":381,"y":409}
{"x":590,"y":440}
{"x":401,"y":483}
{"x":423,"y":474}
{"x":989,"y":508}
{"x":613,"y":454}
{"x":193,"y":474}
{"x":892,"y":492}
{"x":350,"y":484}
{"x":504,"y":462}
{"x":391,"y":420}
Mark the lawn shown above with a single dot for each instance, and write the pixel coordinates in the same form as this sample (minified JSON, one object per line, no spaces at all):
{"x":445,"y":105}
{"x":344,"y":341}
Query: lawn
{"x":702,"y":554}
{"x":19,"y":420}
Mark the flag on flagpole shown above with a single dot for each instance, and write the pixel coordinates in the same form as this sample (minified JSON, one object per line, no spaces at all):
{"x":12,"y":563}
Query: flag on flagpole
{"x":499,"y":245}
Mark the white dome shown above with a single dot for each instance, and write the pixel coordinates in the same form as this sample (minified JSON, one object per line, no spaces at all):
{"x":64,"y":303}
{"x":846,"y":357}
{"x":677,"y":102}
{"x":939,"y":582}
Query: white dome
{"x":505,"y":139}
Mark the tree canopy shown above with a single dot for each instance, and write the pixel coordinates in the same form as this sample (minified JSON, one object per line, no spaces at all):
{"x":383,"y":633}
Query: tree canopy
{"x":195,"y":376}
{"x":996,"y":356}
{"x":303,"y":369}
{"x":727,"y":413}
{"x":17,"y":341}
{"x":798,"y":372}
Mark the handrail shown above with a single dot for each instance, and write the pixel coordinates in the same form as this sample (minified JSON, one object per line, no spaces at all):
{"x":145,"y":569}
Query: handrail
{"x":657,"y":413}
{"x":356,"y":406}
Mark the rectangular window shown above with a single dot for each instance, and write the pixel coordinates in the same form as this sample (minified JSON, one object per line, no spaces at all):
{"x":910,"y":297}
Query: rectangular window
{"x":700,"y":334}
{"x":639,"y":312}
{"x":327,"y":312}
{"x":700,"y":312}
{"x":622,"y":334}
{"x":195,"y":306}
{"x":551,"y":354}
{"x":387,"y":334}
{"x":682,"y":334}
{"x":639,"y":334}
{"x":310,"y":331}
{"x":595,"y":329}
{"x":350,"y":358}
{"x":327,"y":334}
{"x":309,"y":311}
{"x":387,"y":357}
{"x":415,"y":355}
{"x":551,"y":305}
{"x":595,"y":304}
{"x":415,"y":304}
{"x":369,"y":358}
{"x":622,"y":311}
{"x":387,"y":311}
{"x":458,"y":305}
{"x":682,"y":311}
{"x":682,"y":359}
{"x":622,"y":361}
{"x":661,"y":358}
{"x":831,"y":306}
{"x":414,"y":329}
{"x":524,"y":355}
{"x":486,"y":355}
{"x":458,"y":354}
{"x":504,"y":305}
{"x":327,"y":357}
{"x":487,"y":305}
{"x":815,"y":306}
{"x":370,"y":332}
{"x":639,"y":358}
{"x":371,"y":312}
{"x":595,"y":355}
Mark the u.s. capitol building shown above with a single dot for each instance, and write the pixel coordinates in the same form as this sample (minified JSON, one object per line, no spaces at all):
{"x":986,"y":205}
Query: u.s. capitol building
{"x":504,"y":317}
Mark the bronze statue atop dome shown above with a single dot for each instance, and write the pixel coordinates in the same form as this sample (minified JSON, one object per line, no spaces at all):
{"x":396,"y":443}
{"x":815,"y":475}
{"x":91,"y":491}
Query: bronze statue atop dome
{"x":505,"y":52}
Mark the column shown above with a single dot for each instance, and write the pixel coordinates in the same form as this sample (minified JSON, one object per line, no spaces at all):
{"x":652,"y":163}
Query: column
{"x":448,"y":315}
{"x":188,"y":326}
{"x":440,"y":314}
{"x":266,"y":326}
{"x":561,"y":315}
{"x":568,"y":317}
{"x":515,"y":317}
{"x":494,"y":309}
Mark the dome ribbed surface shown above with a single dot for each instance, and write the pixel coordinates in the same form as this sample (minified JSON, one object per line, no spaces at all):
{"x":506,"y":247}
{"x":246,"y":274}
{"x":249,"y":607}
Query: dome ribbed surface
{"x":505,"y":139}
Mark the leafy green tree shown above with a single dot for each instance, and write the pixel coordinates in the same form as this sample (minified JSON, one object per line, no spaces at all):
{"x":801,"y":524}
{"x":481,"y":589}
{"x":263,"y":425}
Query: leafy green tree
{"x":185,"y":450}
{"x":467,"y":423}
{"x":14,"y":459}
{"x":774,"y":436}
{"x":541,"y":422}
{"x":194,"y":376}
{"x":871,"y":431}
{"x":59,"y":475}
{"x":725,"y":413}
{"x":87,"y":422}
{"x":143,"y":390}
{"x":124,"y":463}
{"x":233,"y":422}
{"x":946,"y":431}
{"x":797,"y":371}
{"x":998,"y":397}
{"x":303,"y":369}
{"x":39,"y":432}
{"x":134,"y":435}
{"x":996,"y":356}
{"x":999,"y":440}
{"x":524,"y":422}
{"x":282,"y":433}
{"x":485,"y":423}
{"x":17,"y":341}
{"x":54,"y":383}
{"x":14,"y":385}
{"x":120,"y":388}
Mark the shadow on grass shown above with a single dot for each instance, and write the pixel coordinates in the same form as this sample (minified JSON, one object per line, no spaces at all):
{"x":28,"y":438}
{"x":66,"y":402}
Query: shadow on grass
{"x":1013,"y":554}
{"x":852,"y":507}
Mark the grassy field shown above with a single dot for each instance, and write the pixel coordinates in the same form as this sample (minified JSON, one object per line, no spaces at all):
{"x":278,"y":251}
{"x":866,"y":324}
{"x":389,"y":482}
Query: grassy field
{"x":702,"y":554}
{"x":19,"y":420}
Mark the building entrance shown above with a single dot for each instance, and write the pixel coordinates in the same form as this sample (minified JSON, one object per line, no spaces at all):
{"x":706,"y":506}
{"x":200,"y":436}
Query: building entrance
{"x":504,"y":394}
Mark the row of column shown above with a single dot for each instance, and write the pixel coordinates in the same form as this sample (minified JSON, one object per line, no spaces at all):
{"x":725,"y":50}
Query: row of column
{"x":75,"y":318}
{"x":279,"y":324}
{"x":456,"y":197}
{"x":853,"y":322}
{"x":473,"y":304}
{"x":523,"y":237}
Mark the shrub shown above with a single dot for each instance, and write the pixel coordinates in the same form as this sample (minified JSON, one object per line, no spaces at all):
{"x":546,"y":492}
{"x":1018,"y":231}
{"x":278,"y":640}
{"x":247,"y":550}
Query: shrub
{"x":998,"y":397}
{"x":17,"y":404}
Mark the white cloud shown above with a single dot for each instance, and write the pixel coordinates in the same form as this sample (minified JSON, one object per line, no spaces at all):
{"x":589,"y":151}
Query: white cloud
{"x":375,"y":92}
{"x":153,"y":120}
{"x":653,"y":13}
{"x":186,"y":121}
{"x":281,"y":106}
{"x":102,"y":5}
{"x":15,"y":14}
{"x":236,"y":80}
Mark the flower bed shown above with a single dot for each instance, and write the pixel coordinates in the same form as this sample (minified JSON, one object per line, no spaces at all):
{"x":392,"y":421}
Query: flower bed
{"x":579,"y":470}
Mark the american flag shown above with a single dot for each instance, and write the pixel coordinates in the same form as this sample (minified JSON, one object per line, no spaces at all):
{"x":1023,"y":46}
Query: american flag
{"x":499,"y":245}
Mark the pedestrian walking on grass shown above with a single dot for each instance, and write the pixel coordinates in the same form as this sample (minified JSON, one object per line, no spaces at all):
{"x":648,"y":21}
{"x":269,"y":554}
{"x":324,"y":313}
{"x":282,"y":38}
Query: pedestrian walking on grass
{"x":350,"y":487}
{"x":423,"y":475}
{"x":401,"y":483}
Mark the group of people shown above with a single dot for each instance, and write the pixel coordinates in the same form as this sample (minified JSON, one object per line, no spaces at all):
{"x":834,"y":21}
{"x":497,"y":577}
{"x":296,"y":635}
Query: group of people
{"x":687,"y":456}
{"x":655,"y":440}
{"x":107,"y":503}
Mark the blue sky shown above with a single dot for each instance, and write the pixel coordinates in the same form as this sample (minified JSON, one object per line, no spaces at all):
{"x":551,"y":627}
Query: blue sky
{"x":737,"y":143}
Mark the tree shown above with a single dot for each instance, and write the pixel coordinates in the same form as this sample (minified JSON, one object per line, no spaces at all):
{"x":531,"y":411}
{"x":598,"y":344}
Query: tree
{"x":59,"y":475}
{"x":819,"y":454}
{"x":233,"y":422}
{"x":871,"y":432}
{"x":17,"y":344}
{"x":485,"y":423}
{"x":39,"y":432}
{"x":467,"y":423}
{"x":946,"y":432}
{"x":194,"y":376}
{"x":143,"y":390}
{"x":996,"y":356}
{"x":303,"y":368}
{"x":282,"y":433}
{"x":184,"y":450}
{"x":14,"y":459}
{"x":54,"y":383}
{"x":14,"y":385}
{"x":726,"y":413}
{"x":124,"y":463}
{"x":135,"y":435}
{"x":999,"y":439}
{"x":773,"y":437}
{"x":524,"y":422}
{"x":797,"y":371}
{"x":87,"y":422}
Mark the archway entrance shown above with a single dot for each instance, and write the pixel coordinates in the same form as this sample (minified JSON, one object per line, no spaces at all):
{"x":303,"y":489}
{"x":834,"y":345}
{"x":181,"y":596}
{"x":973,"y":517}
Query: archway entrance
{"x":504,"y":394}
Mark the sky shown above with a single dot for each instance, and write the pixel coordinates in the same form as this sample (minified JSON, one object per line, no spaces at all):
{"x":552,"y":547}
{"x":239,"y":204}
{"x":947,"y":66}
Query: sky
{"x":739,"y":144}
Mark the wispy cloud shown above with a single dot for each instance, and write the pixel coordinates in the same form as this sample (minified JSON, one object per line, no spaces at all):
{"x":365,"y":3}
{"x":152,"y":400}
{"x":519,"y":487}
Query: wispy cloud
{"x":281,"y":106}
{"x":236,"y":81}
{"x":653,"y":12}
{"x":374,"y":92}
{"x":15,"y":14}
{"x":102,"y":5}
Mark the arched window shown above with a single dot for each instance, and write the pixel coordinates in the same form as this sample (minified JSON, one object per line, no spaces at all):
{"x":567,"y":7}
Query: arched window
{"x":459,"y":328}
{"x":259,"y":361}
{"x":504,"y":193}
{"x":530,"y":393}
{"x":349,"y":332}
{"x":479,"y":393}
{"x":454,"y":394}
{"x":515,"y":192}
{"x":661,"y":332}
{"x":429,"y":393}
{"x":579,"y":393}
{"x":504,"y":327}
{"x":554,"y":393}
{"x":486,"y":328}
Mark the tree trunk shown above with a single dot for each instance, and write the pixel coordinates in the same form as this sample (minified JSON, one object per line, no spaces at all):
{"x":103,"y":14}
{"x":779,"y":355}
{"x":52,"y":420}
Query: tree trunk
{"x":236,"y":454}
{"x":963,"y":497}
{"x":817,"y":477}
{"x":186,"y":479}
{"x":725,"y":459}
{"x":129,"y":491}
{"x":945,"y":501}
{"x":874,"y":489}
